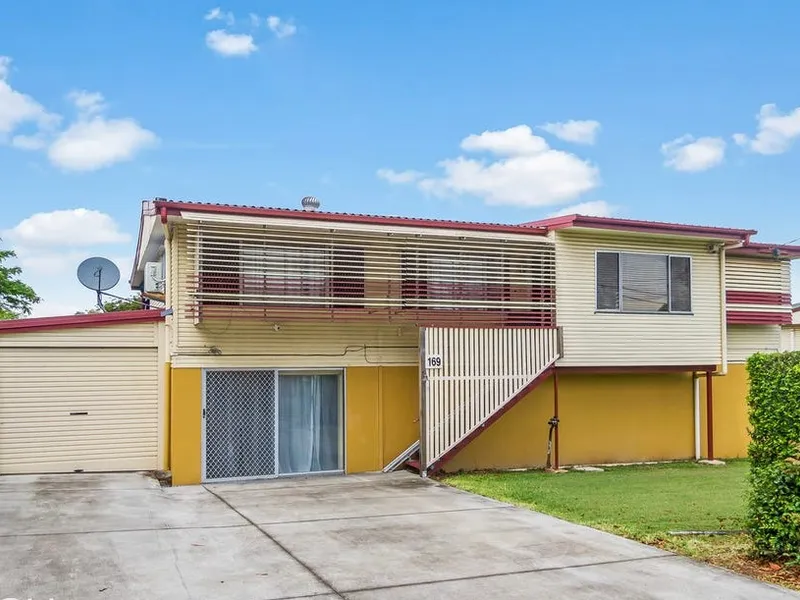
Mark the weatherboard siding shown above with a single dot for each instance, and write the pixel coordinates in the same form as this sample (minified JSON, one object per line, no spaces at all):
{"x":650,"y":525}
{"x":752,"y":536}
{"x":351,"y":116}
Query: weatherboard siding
{"x":591,"y":338}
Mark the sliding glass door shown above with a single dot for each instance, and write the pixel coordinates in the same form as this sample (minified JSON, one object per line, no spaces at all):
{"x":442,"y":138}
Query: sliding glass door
{"x":263,"y":423}
{"x":309,"y":422}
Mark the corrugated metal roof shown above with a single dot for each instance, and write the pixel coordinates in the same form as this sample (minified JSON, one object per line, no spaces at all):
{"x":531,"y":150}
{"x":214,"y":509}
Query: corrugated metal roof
{"x":174,"y":207}
{"x":92,"y":320}
{"x":638,"y":225}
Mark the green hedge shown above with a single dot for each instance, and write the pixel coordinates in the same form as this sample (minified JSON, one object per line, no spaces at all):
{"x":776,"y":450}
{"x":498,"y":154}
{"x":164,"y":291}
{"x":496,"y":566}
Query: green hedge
{"x":774,"y":499}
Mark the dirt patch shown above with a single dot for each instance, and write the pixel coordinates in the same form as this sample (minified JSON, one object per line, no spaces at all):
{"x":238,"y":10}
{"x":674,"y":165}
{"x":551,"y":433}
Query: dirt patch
{"x":164,"y":478}
{"x":733,"y":552}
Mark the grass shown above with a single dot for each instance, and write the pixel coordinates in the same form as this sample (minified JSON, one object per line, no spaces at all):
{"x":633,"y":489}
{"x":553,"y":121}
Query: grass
{"x":645,"y":503}
{"x":638,"y":500}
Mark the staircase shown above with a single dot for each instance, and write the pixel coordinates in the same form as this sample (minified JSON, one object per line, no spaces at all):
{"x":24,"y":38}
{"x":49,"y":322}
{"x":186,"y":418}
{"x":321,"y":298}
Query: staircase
{"x":471,"y":377}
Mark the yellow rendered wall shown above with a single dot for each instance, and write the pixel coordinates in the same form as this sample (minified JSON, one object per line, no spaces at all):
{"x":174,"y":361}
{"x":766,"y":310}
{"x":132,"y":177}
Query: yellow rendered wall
{"x":186,"y":404}
{"x":517,"y":439}
{"x":625,"y":418}
{"x":382,"y":410}
{"x":730,"y":413}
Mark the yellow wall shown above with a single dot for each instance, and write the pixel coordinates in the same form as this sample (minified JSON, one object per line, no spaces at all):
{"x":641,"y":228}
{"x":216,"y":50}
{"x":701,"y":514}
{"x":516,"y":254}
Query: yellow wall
{"x":730,"y":413}
{"x":625,"y":418}
{"x":382,"y":405}
{"x":186,"y":425}
{"x":517,"y":439}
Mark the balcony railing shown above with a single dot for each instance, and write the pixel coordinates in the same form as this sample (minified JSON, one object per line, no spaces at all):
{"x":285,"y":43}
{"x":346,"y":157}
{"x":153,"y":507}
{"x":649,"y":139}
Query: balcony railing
{"x":282,"y":272}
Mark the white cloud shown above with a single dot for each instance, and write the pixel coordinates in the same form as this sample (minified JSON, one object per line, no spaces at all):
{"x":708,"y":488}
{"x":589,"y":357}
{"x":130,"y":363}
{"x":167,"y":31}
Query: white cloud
{"x":37,"y":141}
{"x":230,"y":44}
{"x":91,"y":142}
{"x":776,"y":132}
{"x":87,"y":103}
{"x":51,"y":245}
{"x":515,"y":141}
{"x":524,"y":172}
{"x":75,"y":227}
{"x":281,"y":28}
{"x":393,"y":176}
{"x":88,"y":145}
{"x":578,"y":132}
{"x":689,"y":154}
{"x":17,"y":108}
{"x":594,"y":208}
{"x":217,"y":14}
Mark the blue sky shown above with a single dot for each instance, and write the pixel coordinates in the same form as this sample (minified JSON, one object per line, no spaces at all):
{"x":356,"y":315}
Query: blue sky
{"x":379,"y":107}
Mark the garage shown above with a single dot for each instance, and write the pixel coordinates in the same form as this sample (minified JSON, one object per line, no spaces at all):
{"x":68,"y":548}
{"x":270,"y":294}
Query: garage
{"x":82,"y":393}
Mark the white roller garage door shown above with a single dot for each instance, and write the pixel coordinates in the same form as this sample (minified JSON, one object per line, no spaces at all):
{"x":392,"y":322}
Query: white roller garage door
{"x":84,"y":399}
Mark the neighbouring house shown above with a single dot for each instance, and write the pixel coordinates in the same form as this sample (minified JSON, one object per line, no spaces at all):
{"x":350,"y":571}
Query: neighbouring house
{"x":301,"y":341}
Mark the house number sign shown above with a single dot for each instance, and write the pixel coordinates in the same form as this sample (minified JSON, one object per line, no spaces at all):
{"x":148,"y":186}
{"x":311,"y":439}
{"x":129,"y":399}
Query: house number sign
{"x":433,"y":361}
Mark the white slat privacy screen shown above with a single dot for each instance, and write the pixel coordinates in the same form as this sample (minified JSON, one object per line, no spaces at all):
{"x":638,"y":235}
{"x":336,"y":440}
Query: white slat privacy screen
{"x":295,"y":272}
{"x":478,"y":372}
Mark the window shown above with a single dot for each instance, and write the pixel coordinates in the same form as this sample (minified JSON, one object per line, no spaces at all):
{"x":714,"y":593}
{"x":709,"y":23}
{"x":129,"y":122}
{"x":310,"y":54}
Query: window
{"x":643,"y":283}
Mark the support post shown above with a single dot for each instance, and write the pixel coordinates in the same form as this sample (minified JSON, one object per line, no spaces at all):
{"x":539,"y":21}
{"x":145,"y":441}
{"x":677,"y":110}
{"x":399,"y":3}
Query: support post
{"x":556,"y":463}
{"x":710,"y":414}
{"x":423,"y":408}
{"x":696,"y":411}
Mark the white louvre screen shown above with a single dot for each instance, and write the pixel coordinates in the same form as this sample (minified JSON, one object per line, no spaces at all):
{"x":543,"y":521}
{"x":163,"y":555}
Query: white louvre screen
{"x":469,"y":374}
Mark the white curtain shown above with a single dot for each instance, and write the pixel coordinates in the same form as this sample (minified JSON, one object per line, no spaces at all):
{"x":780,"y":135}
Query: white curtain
{"x":308,"y":423}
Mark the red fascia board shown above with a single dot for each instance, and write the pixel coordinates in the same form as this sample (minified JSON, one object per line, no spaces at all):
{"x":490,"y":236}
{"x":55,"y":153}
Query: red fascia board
{"x":760,"y":249}
{"x":74,"y":321}
{"x":765,"y":298}
{"x":746,"y":317}
{"x":634,"y":226}
{"x":168,"y":207}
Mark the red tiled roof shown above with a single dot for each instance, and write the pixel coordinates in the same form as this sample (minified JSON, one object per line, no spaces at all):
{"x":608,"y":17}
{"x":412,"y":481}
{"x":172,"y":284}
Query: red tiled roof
{"x":167,"y":207}
{"x":640,"y":226}
{"x":72,"y":321}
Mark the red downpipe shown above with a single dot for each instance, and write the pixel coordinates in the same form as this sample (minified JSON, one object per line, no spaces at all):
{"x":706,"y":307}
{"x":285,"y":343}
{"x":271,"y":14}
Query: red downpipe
{"x":710,"y":413}
{"x":556,"y":464}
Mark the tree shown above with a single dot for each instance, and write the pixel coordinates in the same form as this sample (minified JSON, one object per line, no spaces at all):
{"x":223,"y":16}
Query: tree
{"x":134,"y":302}
{"x":16,"y":298}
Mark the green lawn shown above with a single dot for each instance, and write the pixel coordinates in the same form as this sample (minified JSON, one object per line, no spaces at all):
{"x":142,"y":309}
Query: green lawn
{"x":642,"y":502}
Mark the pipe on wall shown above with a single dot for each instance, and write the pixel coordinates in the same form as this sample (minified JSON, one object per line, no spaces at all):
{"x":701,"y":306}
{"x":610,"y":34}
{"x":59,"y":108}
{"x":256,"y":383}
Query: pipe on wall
{"x":696,"y":397}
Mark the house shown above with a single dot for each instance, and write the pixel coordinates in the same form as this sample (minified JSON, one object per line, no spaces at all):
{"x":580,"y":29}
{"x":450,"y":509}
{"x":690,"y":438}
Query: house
{"x":298,"y":337}
{"x":302,"y":341}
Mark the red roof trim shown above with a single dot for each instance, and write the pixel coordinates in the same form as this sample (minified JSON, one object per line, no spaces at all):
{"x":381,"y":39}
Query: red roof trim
{"x":175,"y":208}
{"x":760,"y":249}
{"x":641,"y":227}
{"x":73,"y":321}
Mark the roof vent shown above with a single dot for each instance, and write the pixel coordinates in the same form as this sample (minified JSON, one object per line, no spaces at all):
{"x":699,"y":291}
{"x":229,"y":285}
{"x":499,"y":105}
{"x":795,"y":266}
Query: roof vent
{"x":310,"y":203}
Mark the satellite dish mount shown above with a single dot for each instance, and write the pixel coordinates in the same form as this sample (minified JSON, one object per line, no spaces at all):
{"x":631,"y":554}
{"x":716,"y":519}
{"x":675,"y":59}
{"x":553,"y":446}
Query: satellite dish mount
{"x":98,"y":274}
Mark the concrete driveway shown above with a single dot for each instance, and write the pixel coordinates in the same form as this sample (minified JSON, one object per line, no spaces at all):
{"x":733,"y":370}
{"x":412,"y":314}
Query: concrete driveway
{"x":121,"y":536}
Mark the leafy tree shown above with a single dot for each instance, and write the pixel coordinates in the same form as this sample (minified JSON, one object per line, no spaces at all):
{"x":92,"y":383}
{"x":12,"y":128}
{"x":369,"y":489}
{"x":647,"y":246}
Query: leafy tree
{"x":16,"y":298}
{"x":134,"y":302}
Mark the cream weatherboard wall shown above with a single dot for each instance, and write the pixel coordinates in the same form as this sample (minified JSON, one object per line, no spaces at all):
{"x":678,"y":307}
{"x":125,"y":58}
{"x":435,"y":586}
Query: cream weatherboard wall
{"x":248,"y":342}
{"x":88,"y":398}
{"x":622,"y":339}
{"x":744,"y":340}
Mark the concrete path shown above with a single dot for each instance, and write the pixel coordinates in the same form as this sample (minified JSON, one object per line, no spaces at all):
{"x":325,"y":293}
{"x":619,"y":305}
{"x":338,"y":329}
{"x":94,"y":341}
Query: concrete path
{"x":396,"y":536}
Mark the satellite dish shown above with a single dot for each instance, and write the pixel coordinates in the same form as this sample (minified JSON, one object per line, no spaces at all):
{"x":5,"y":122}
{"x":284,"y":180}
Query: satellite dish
{"x":98,"y":274}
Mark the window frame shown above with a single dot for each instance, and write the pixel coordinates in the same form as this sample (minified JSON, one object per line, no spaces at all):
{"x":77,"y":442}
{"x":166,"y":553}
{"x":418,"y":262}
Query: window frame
{"x":621,"y":308}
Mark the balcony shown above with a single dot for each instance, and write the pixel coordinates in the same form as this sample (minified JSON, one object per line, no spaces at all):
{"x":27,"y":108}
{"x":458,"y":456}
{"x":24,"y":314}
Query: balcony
{"x":296,"y":272}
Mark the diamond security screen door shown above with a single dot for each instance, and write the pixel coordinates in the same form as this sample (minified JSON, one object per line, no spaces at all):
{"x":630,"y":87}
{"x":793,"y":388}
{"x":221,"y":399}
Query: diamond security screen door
{"x":240,"y":431}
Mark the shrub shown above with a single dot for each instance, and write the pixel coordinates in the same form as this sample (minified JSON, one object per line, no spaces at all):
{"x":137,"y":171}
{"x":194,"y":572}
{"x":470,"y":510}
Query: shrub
{"x":774,"y":501}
